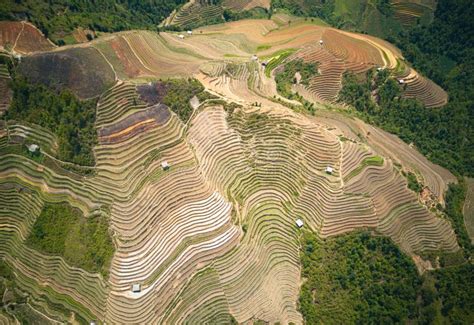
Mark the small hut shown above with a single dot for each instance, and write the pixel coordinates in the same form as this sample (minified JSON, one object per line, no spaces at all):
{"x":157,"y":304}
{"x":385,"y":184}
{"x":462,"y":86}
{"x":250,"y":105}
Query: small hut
{"x":190,"y":32}
{"x":299,"y":223}
{"x":321,"y":42}
{"x":136,"y":287}
{"x":181,"y":36}
{"x":33,"y":148}
{"x":165,"y":165}
{"x":401,"y":81}
{"x":329,"y":170}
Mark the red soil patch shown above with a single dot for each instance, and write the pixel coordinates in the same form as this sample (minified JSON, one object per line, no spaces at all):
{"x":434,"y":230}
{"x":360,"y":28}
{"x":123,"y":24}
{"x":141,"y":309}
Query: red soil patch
{"x":129,"y":61}
{"x":23,"y":37}
{"x":31,"y":40}
{"x":9,"y":32}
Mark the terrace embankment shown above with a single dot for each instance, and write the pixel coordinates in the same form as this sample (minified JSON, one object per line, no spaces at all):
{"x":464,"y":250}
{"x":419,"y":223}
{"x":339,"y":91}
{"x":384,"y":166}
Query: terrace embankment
{"x":202,"y":210}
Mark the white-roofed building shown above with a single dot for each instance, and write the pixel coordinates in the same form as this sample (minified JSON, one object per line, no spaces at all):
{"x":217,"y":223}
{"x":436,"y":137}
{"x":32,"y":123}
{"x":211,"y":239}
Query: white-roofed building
{"x":33,"y":148}
{"x":299,"y":223}
{"x":165,"y":165}
{"x":136,"y":287}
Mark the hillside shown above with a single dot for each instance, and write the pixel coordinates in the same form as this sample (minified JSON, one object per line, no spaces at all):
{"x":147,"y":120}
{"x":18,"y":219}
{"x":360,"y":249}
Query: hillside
{"x":196,"y":182}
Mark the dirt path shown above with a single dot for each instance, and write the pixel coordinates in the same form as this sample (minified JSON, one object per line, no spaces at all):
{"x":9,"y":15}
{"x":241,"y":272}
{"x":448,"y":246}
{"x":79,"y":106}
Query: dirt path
{"x":19,"y":35}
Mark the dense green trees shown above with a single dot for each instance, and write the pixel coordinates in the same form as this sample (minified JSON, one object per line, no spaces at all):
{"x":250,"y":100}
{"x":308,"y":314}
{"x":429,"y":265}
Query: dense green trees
{"x":56,"y":18}
{"x":356,"y":278}
{"x":178,"y":94}
{"x":444,"y":135}
{"x":287,"y":76}
{"x":62,"y":230}
{"x":69,"y":118}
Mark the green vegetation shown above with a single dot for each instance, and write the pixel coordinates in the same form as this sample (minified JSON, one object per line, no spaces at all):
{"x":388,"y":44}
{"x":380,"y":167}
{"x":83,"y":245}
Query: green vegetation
{"x":254,"y":13}
{"x":356,"y":278}
{"x":62,"y":230}
{"x":455,"y":196}
{"x":362,"y":279}
{"x":375,"y":17}
{"x":443,"y":135}
{"x":58,"y":18}
{"x":276,"y":59}
{"x":440,"y":48}
{"x":62,"y":113}
{"x":178,"y":94}
{"x":287,"y":76}
{"x":263,"y":47}
{"x":370,"y":161}
{"x":413,"y":183}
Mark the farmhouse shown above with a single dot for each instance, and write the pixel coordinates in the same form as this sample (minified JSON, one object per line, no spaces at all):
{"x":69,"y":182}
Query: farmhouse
{"x":165,"y":165}
{"x":299,"y":223}
{"x":329,"y":170}
{"x":136,"y":287}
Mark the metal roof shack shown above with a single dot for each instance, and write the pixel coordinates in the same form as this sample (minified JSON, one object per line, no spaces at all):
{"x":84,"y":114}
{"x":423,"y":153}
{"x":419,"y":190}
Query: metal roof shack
{"x":299,"y":223}
{"x":165,"y":165}
{"x":190,"y":32}
{"x":329,"y":170}
{"x":401,"y":81}
{"x":136,"y":287}
{"x":181,"y":36}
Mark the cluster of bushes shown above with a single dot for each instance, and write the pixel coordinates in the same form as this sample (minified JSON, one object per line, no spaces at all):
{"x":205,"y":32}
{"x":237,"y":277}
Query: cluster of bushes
{"x":356,"y":278}
{"x":455,"y":196}
{"x":443,"y":135}
{"x":362,"y":279}
{"x":178,"y":94}
{"x":287,"y":76}
{"x":62,"y":113}
{"x":413,"y":183}
{"x":62,"y":230}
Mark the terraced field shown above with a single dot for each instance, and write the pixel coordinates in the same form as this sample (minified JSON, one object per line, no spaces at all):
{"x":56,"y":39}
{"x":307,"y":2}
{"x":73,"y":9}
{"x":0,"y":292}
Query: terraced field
{"x":408,"y":12}
{"x":202,"y":214}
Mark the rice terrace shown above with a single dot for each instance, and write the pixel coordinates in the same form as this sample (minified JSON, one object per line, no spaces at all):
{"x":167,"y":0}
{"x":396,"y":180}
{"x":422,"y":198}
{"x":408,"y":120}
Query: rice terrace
{"x":237,"y":162}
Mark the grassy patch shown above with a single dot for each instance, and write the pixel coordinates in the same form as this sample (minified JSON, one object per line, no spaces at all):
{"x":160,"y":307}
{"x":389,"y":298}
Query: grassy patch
{"x":413,"y":183}
{"x":370,"y":161}
{"x":276,"y":59}
{"x":263,"y":47}
{"x":62,"y":230}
